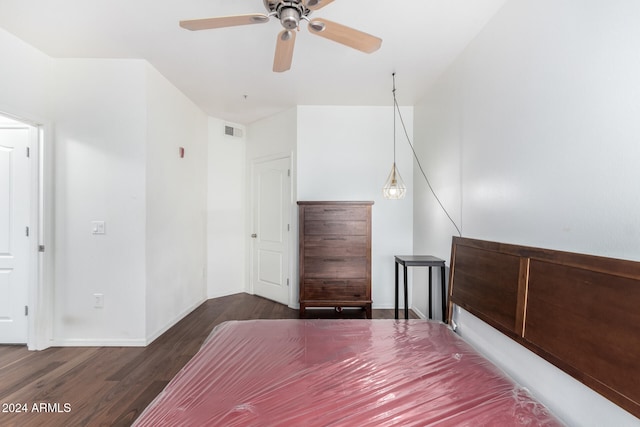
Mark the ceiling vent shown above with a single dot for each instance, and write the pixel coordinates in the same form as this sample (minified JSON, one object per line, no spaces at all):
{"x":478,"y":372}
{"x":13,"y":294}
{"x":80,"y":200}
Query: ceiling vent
{"x":231,"y":131}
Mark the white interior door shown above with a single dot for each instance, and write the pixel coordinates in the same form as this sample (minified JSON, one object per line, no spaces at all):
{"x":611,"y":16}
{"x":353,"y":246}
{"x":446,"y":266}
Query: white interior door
{"x":14,"y":233}
{"x":271,"y":228}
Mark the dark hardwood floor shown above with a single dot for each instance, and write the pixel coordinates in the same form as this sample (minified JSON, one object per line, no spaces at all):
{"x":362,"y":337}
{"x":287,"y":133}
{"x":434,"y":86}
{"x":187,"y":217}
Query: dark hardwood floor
{"x":111,"y":386}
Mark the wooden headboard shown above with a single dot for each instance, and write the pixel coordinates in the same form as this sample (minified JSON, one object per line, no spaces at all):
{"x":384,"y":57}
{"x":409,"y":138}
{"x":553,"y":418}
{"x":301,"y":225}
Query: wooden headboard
{"x":579,"y":312}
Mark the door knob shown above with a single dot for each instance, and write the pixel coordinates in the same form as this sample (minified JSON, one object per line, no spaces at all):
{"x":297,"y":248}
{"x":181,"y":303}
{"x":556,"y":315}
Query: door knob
{"x":254,"y":235}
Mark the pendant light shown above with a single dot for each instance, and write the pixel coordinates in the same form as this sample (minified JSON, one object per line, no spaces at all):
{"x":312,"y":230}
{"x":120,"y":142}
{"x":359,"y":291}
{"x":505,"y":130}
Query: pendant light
{"x":394,"y":188}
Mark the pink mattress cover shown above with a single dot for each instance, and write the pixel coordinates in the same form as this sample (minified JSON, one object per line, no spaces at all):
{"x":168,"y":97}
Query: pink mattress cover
{"x":341,"y":373}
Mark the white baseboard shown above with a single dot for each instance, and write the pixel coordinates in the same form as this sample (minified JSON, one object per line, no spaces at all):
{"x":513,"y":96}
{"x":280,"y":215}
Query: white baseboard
{"x":100,"y":343}
{"x":226,"y":294}
{"x":151,"y":338}
{"x":419,"y":313}
{"x":133,"y":342}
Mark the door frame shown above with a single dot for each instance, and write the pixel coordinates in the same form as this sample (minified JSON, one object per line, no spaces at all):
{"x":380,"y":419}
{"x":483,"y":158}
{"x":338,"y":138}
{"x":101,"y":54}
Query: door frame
{"x":292,"y":219}
{"x":40,"y":264}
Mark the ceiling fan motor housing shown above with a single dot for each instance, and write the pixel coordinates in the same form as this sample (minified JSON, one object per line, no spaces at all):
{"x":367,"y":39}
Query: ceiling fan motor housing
{"x":289,"y":18}
{"x":288,"y":12}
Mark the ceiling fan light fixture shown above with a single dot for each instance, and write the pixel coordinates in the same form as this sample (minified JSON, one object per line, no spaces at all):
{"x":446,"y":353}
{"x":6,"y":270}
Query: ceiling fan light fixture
{"x":289,"y":18}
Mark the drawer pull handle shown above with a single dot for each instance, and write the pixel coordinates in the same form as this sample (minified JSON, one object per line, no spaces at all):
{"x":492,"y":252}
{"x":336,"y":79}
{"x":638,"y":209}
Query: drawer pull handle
{"x":335,"y":210}
{"x":334,"y":260}
{"x":334,"y":282}
{"x":334,"y":238}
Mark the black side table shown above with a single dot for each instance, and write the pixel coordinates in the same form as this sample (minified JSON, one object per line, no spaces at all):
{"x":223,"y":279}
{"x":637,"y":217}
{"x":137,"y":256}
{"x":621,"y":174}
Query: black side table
{"x":421,"y":261}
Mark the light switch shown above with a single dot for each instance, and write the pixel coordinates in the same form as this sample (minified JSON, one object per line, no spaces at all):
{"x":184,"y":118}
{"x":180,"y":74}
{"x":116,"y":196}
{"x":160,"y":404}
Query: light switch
{"x":97,"y":227}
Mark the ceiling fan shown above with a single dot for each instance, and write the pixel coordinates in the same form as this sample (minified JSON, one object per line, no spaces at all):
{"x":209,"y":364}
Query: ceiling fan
{"x":290,"y":13}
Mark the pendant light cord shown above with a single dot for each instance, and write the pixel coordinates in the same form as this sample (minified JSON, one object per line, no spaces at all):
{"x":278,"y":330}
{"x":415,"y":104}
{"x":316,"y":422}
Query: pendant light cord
{"x":394,"y":118}
{"x":415,"y":155}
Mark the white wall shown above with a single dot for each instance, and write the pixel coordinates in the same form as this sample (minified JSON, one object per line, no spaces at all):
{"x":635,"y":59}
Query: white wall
{"x":100,"y":132}
{"x":26,"y":79}
{"x":272,"y":136}
{"x":346,"y":153}
{"x":226,"y":210}
{"x":531,"y":138}
{"x":112,"y":128}
{"x":176,"y":195}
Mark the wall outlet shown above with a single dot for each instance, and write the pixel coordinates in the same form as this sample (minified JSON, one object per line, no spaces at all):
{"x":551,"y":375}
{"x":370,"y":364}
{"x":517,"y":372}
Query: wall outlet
{"x":98,"y":300}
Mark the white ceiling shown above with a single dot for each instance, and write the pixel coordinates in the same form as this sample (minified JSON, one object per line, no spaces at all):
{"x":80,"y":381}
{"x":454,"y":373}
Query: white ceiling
{"x":227,"y":71}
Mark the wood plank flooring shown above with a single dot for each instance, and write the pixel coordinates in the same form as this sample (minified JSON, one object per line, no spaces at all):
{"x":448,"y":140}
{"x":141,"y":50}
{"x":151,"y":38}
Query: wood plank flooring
{"x":111,"y":386}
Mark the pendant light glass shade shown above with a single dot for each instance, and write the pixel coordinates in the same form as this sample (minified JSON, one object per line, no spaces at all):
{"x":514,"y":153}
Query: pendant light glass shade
{"x":394,"y":188}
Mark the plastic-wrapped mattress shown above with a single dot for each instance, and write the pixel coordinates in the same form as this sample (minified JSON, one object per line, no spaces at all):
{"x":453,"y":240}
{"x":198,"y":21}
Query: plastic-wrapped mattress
{"x":341,"y":373}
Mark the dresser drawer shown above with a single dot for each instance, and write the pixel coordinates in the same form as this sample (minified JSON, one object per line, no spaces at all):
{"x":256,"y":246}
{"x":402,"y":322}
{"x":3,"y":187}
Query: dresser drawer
{"x":336,"y":213}
{"x":339,"y":290}
{"x":336,"y":246}
{"x":335,"y":267}
{"x":327,"y":227}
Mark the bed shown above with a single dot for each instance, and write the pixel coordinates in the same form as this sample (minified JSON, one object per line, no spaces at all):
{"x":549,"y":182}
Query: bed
{"x":565,"y":307}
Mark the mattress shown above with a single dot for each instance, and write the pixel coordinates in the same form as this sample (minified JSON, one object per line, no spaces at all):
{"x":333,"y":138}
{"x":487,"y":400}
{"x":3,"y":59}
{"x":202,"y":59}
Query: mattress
{"x":341,"y":373}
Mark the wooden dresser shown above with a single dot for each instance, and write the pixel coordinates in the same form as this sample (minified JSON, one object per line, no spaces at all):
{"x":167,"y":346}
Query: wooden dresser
{"x":335,"y":255}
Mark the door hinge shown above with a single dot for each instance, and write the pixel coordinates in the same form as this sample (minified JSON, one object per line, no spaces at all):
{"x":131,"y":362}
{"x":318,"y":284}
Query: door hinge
{"x":287,"y":282}
{"x":288,"y":227}
{"x":288,"y":172}
{"x":28,"y":152}
{"x":41,"y":248}
{"x":27,"y":231}
{"x":26,"y":310}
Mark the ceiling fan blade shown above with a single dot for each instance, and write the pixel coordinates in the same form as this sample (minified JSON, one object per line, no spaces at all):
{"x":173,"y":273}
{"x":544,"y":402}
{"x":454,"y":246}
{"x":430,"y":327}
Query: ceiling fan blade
{"x":223,"y":21}
{"x":317,"y":4}
{"x":284,"y":51}
{"x":345,"y":35}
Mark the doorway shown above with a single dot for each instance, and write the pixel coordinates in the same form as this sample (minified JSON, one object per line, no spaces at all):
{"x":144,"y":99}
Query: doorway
{"x":19,"y":226}
{"x":271,"y":217}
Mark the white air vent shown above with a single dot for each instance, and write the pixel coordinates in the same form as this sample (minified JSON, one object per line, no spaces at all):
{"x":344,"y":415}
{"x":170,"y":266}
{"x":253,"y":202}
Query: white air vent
{"x":231,"y":131}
